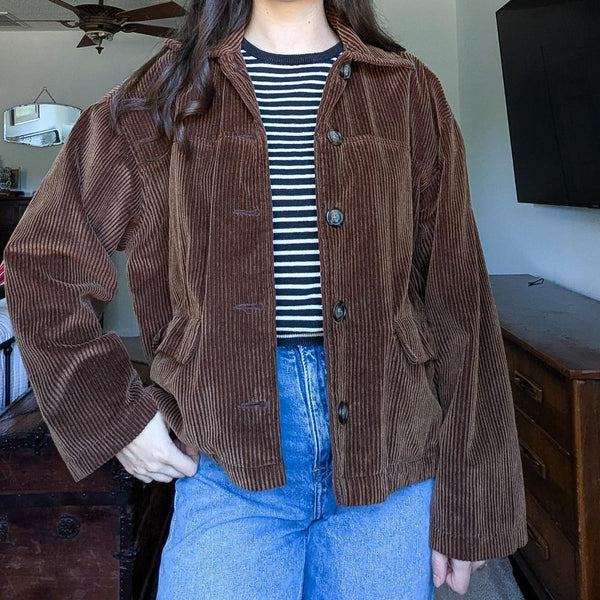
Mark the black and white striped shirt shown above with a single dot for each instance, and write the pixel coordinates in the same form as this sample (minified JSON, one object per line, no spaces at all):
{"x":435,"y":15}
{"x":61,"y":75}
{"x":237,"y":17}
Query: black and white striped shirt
{"x":288,"y":89}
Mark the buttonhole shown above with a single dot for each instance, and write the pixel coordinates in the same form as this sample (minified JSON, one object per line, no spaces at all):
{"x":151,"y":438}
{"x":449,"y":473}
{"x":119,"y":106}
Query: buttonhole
{"x":242,"y":212}
{"x":248,"y":308}
{"x":254,"y":405}
{"x":245,"y":136}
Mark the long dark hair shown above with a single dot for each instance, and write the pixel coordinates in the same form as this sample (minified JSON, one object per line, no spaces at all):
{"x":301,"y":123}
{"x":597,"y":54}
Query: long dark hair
{"x":205,"y":25}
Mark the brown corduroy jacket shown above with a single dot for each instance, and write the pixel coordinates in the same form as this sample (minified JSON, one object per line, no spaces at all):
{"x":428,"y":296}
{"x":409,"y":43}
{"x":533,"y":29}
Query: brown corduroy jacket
{"x":418,"y":360}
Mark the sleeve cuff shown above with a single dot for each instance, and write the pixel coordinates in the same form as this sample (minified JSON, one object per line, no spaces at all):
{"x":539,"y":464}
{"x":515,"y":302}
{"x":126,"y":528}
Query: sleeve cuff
{"x":126,"y":427}
{"x":492,"y":545}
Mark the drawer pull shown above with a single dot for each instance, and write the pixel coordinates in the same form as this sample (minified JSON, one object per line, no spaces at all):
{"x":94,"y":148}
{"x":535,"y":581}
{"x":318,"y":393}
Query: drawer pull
{"x":533,"y":459}
{"x":529,"y":387}
{"x":539,"y":541}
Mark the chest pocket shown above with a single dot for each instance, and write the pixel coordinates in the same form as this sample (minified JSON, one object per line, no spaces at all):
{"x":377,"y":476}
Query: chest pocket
{"x":180,"y":338}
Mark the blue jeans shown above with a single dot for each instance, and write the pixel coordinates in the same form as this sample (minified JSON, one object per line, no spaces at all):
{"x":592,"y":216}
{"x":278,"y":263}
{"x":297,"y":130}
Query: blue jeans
{"x":293,"y":542}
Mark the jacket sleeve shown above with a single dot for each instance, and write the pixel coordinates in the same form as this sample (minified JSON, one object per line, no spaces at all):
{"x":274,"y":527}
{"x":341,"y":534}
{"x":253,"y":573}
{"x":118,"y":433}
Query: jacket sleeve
{"x":478,"y":505}
{"x":59,"y":277}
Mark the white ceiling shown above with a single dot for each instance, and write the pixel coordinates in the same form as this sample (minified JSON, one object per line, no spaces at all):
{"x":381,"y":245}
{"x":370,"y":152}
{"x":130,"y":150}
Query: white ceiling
{"x":42,"y":9}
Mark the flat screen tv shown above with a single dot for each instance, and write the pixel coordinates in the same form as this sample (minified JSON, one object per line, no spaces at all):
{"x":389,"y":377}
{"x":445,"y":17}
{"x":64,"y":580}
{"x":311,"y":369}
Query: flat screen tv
{"x":550,"y":52}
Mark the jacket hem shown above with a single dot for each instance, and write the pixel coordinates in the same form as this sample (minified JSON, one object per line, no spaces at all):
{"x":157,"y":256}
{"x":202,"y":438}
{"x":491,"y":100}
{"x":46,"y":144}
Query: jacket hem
{"x":258,"y":478}
{"x":373,"y":488}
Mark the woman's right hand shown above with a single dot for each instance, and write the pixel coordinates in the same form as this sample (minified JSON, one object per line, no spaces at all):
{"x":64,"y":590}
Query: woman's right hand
{"x":154,"y":456}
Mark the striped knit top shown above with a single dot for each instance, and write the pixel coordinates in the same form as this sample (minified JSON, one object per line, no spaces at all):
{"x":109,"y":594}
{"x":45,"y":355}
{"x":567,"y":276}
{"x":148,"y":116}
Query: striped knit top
{"x":288,"y":90}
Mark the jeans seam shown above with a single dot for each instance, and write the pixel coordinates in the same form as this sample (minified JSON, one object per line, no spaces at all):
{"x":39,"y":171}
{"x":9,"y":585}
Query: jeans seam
{"x":301,"y":597}
{"x":309,"y":392}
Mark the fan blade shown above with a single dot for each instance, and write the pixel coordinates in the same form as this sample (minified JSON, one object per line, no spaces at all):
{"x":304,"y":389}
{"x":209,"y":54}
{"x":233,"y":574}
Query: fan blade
{"x":85,"y":41}
{"x":155,"y":30}
{"x":67,"y":6}
{"x":165,"y":10}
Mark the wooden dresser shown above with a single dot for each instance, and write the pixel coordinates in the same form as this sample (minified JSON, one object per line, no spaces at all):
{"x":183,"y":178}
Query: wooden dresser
{"x":552,"y":341}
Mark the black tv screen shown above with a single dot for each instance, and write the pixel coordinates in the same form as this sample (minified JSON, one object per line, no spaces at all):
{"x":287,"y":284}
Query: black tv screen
{"x":550,"y":52}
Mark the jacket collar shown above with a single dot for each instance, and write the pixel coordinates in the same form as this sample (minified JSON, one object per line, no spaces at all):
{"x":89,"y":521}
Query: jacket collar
{"x":353,"y":47}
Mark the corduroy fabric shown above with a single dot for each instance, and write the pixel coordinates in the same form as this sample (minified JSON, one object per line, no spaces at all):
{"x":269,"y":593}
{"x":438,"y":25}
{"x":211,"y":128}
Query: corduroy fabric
{"x":419,"y":358}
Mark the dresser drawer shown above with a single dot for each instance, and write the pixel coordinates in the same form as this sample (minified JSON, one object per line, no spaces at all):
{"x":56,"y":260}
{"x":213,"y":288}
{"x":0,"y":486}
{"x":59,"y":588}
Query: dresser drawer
{"x":541,"y":393}
{"x":549,"y":553}
{"x":548,"y":473}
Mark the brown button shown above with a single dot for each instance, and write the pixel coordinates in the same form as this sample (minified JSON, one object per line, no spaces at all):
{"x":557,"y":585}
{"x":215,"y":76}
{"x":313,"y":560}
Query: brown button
{"x":335,"y":217}
{"x":342,"y":412}
{"x":345,"y":70}
{"x":339,"y":311}
{"x":335,"y":137}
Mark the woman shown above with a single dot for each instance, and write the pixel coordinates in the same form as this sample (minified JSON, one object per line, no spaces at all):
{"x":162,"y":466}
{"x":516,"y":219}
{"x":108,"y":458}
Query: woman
{"x":289,"y":185}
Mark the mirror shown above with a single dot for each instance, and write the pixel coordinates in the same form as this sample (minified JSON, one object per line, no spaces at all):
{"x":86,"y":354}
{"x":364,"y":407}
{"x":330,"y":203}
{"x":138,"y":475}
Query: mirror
{"x":39,"y":124}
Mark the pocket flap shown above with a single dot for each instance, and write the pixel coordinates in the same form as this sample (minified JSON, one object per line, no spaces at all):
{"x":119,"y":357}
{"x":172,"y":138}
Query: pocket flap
{"x":416,"y":344}
{"x":180,"y":338}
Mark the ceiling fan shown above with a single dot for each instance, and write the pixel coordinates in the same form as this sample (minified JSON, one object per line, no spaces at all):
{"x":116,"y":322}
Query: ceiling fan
{"x":100,"y":22}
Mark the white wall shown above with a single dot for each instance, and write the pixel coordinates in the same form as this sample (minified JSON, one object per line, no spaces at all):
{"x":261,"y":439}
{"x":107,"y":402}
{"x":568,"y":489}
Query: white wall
{"x":560,"y":244}
{"x":427,"y":28}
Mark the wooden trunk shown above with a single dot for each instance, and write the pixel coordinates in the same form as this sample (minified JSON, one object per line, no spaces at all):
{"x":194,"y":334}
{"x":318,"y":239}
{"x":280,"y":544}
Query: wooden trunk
{"x":98,"y":539}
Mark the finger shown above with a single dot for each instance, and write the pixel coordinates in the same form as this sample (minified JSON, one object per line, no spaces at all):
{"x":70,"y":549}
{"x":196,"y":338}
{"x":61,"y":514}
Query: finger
{"x":460,"y":575}
{"x":166,"y":460}
{"x":131,"y":466}
{"x":439,"y":567}
{"x":190,"y":451}
{"x":161,"y":472}
{"x":141,"y":477}
{"x":157,"y":470}
{"x":185,"y":465}
{"x":153,"y":455}
{"x":148,"y":470}
{"x":166,"y":472}
{"x":478,"y":564}
{"x":160,"y":477}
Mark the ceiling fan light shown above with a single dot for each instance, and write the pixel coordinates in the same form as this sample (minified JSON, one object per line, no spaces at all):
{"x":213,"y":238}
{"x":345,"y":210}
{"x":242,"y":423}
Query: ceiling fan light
{"x":98,"y":35}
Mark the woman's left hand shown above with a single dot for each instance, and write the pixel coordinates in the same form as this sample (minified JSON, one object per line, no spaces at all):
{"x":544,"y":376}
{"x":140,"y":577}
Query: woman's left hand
{"x":456,"y":573}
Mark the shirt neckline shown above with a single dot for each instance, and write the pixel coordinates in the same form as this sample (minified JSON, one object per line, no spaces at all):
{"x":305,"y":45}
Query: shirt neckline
{"x":292,"y":59}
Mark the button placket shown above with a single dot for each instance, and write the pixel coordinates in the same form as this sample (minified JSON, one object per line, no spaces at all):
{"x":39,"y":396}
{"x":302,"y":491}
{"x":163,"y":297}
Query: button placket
{"x":335,"y":218}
